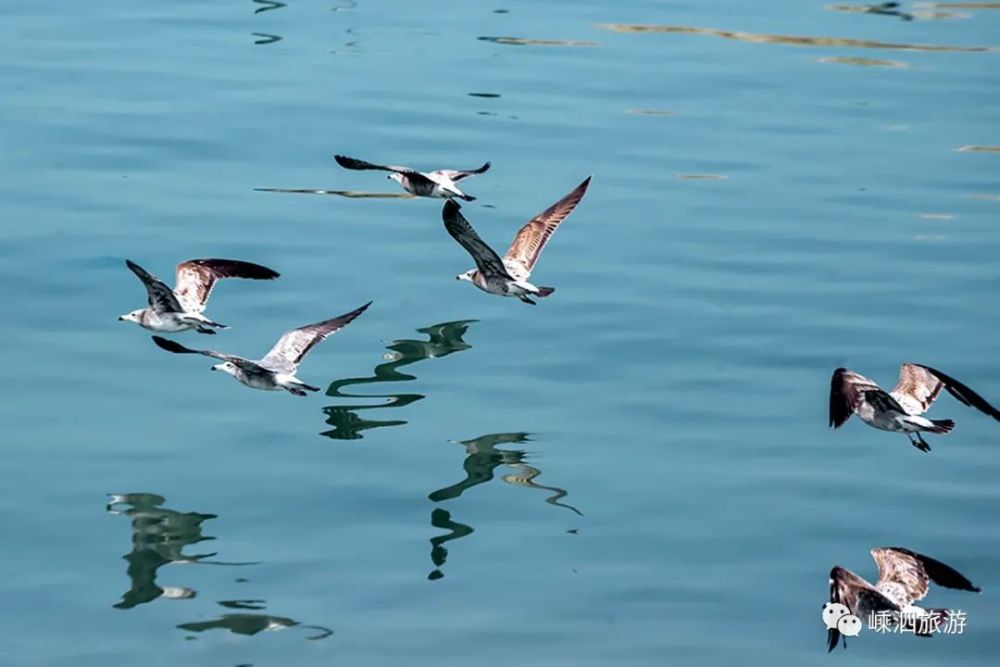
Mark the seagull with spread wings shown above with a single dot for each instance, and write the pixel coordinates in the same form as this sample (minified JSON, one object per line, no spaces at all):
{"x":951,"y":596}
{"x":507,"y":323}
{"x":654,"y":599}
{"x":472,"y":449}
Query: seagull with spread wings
{"x":181,"y":308}
{"x":508,"y":276}
{"x":439,"y":184}
{"x":276,"y":371}
{"x":904,"y":577}
{"x":899,"y":410}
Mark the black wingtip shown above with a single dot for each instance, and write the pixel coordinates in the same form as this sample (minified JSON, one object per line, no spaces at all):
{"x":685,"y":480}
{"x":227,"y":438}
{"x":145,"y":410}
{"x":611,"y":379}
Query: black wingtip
{"x":169,"y":345}
{"x":963,"y":393}
{"x":354,"y":314}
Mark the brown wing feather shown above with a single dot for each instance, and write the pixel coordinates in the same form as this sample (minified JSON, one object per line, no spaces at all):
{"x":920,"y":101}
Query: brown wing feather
{"x":196,"y":278}
{"x":846,"y":394}
{"x":899,"y":567}
{"x":290,"y":349}
{"x":917,"y":388}
{"x":531,"y":239}
{"x":858,"y":595}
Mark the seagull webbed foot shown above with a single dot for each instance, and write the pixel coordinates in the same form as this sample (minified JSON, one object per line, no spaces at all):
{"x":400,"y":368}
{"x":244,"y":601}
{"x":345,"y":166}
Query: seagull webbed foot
{"x":920,"y":444}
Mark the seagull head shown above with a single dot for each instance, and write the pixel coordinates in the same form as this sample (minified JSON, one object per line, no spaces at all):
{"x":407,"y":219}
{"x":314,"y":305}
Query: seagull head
{"x":131,"y":317}
{"x":465,"y":276}
{"x":395,"y":177}
{"x":225,"y":367}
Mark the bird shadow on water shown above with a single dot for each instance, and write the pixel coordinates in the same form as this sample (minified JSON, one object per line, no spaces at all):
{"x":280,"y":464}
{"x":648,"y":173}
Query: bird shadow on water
{"x":443,"y":339}
{"x":482,"y":459}
{"x":159,"y":536}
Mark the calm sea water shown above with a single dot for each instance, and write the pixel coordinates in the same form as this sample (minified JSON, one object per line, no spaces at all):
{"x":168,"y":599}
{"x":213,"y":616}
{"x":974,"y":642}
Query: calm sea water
{"x":636,"y":472}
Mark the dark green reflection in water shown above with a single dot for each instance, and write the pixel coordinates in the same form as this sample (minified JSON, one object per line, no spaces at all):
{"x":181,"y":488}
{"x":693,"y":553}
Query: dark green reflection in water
{"x":483,"y":458}
{"x":269,"y":5}
{"x":443,"y":339}
{"x":159,"y":536}
{"x":251,"y":624}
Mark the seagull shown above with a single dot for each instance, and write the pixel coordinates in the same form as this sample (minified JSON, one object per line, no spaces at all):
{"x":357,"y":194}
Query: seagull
{"x":180,"y":309}
{"x":903,"y":578}
{"x":509,"y":276}
{"x":900,"y":409}
{"x":439,"y":184}
{"x":276,"y":371}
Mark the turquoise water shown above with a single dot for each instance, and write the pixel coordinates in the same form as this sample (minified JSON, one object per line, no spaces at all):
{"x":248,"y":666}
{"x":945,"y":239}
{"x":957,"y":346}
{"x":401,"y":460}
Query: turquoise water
{"x":636,"y":472}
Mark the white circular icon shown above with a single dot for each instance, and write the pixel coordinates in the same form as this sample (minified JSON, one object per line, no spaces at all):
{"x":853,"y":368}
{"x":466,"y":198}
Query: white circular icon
{"x":849,"y":625}
{"x":832,"y":612}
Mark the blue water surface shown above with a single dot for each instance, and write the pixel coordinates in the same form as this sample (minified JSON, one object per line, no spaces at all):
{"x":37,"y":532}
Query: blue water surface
{"x":635,"y":472}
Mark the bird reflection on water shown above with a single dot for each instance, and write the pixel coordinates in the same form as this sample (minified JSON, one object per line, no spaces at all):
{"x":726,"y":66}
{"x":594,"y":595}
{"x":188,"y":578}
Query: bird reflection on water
{"x":443,"y":339}
{"x":483,"y":459}
{"x":159,"y":536}
{"x":251,"y":624}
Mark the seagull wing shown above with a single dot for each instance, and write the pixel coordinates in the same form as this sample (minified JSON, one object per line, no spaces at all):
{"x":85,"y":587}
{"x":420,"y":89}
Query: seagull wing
{"x":913,"y":571}
{"x":858,"y":595}
{"x":161,"y":298}
{"x":904,"y":575}
{"x":963,"y":393}
{"x":487,"y":261}
{"x":846,"y":394}
{"x":415,"y":177}
{"x":531,"y":239}
{"x":458,"y":174}
{"x":916,"y":390}
{"x":196,"y":278}
{"x":177,"y":348}
{"x":361,"y":165}
{"x":288,"y":352}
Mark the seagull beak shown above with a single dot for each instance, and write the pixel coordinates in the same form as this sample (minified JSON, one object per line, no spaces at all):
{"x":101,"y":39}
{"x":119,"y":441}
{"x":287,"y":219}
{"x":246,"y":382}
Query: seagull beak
{"x":121,"y":319}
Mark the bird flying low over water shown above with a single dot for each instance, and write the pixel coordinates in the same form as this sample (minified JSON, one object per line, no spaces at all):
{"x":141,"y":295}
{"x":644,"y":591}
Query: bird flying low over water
{"x":900,"y":409}
{"x":439,"y":184}
{"x":903,"y":578}
{"x":276,"y":371}
{"x":508,"y":276}
{"x":181,"y":308}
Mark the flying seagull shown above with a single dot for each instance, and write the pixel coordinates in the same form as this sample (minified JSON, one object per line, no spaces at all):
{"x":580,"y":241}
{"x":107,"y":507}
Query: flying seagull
{"x":181,"y":308}
{"x":276,"y":370}
{"x":900,"y":409}
{"x":509,"y":276}
{"x":903,"y":578}
{"x":439,"y":184}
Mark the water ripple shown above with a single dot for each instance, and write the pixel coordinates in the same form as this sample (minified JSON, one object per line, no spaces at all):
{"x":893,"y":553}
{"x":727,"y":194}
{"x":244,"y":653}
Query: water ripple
{"x":794,"y":40}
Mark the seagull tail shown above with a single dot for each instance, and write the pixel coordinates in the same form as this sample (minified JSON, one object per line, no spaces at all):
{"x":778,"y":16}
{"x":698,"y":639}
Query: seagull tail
{"x":309,"y":387}
{"x":545,"y":291}
{"x":942,"y":425}
{"x":467,"y":197}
